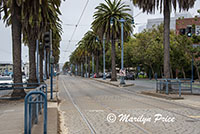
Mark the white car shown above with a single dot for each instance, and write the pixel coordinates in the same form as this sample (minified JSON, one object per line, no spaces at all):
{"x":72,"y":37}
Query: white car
{"x":5,"y":80}
{"x":24,"y":79}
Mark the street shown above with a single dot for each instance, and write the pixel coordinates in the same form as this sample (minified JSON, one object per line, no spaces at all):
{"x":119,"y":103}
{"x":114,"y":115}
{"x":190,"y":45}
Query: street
{"x":88,"y":106}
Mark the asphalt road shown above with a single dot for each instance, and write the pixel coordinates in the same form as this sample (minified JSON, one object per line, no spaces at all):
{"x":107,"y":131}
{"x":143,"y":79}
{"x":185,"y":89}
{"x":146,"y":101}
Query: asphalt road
{"x":90,"y":107}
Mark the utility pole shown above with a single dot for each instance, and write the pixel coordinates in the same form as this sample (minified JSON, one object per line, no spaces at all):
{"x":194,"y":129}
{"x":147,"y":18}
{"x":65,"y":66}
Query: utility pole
{"x":51,"y":62}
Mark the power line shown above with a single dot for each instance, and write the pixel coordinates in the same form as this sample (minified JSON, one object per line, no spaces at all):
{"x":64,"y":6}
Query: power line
{"x":79,"y":20}
{"x":75,"y":25}
{"x":137,"y":14}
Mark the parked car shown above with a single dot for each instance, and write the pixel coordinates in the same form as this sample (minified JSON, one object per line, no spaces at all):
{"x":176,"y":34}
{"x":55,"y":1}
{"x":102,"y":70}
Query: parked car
{"x":5,"y":80}
{"x":108,"y":75}
{"x":24,"y":79}
{"x":129,"y":76}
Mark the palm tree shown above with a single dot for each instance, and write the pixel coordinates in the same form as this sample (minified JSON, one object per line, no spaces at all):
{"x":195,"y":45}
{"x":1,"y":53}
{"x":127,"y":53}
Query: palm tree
{"x":149,"y":6}
{"x":105,"y":12}
{"x":93,"y":47}
{"x":12,"y":16}
{"x":38,"y":17}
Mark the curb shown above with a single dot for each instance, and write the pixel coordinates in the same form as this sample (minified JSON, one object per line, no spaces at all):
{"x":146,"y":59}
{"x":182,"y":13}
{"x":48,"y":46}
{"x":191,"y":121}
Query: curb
{"x":116,"y":85}
{"x":169,"y":97}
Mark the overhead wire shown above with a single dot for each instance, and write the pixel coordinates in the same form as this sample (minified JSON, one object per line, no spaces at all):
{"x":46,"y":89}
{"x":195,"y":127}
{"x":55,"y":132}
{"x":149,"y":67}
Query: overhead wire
{"x":79,"y":20}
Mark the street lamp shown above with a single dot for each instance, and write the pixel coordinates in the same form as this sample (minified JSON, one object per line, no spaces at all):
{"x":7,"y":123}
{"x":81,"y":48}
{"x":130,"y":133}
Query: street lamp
{"x":122,"y":45}
{"x":104,"y":61}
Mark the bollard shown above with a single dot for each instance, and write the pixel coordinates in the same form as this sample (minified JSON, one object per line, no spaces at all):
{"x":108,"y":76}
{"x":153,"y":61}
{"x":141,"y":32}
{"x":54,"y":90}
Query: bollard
{"x":167,"y":87}
{"x":179,"y":88}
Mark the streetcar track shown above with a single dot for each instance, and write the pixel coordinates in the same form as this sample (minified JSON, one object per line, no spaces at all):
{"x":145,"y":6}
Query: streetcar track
{"x":92,"y":130}
{"x":125,"y":91}
{"x":107,"y":107}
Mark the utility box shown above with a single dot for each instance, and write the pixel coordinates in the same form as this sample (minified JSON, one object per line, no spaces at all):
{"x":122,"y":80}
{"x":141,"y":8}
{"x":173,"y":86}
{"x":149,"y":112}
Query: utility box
{"x":51,"y":60}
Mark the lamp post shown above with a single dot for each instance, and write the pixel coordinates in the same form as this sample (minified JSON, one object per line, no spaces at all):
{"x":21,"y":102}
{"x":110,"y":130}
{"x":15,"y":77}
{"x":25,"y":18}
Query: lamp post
{"x":37,"y":61}
{"x":122,"y":46}
{"x":192,"y":68}
{"x":51,"y":63}
{"x":44,"y":70}
{"x":76,"y":70}
{"x":104,"y":62}
{"x":81,"y":69}
{"x":86,"y":67}
{"x":122,"y":49}
{"x":92,"y":65}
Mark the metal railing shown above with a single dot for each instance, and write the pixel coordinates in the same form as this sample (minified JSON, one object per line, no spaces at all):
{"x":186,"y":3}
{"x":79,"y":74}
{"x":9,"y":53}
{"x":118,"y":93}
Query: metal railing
{"x":6,"y":88}
{"x":173,"y":85}
{"x":33,"y":104}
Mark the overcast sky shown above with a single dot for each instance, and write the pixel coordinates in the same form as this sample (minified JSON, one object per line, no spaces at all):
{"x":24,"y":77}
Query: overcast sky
{"x":71,"y":12}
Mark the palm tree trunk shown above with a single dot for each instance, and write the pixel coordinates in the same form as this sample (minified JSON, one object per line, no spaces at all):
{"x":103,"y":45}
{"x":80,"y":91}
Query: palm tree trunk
{"x":183,"y":73}
{"x":41,"y":64}
{"x":16,"y":45}
{"x":166,"y":38}
{"x":197,"y":70}
{"x":171,"y":73}
{"x":32,"y":63}
{"x":152,"y":70}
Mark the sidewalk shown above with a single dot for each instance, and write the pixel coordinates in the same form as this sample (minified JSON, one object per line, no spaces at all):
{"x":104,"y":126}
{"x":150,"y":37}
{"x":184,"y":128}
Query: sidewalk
{"x":52,"y":112}
{"x":128,"y":83}
{"x":12,"y":115}
{"x":147,"y":87}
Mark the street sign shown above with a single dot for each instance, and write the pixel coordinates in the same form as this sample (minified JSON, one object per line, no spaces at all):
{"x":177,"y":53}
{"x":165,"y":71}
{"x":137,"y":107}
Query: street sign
{"x":51,"y":60}
{"x":122,"y":72}
{"x":195,"y":45}
{"x":197,"y":30}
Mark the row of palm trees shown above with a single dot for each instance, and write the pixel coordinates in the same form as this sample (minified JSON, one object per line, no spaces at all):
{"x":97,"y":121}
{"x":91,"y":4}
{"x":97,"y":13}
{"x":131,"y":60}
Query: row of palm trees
{"x":102,"y":28}
{"x":114,"y":10}
{"x":30,"y":19}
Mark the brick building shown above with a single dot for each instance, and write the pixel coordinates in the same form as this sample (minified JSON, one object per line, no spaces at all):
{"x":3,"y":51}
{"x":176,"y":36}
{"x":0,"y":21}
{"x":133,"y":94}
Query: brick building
{"x":188,"y":26}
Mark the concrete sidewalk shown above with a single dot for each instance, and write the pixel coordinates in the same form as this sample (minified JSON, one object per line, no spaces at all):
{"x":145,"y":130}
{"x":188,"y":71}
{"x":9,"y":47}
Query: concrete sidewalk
{"x":52,"y":112}
{"x":52,"y":120}
{"x":128,"y":83}
{"x":12,"y":115}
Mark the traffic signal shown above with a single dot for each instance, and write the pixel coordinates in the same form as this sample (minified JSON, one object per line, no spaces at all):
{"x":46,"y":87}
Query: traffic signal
{"x":190,"y":31}
{"x":182,"y":31}
{"x":47,"y":39}
{"x":119,"y":45}
{"x":133,"y":21}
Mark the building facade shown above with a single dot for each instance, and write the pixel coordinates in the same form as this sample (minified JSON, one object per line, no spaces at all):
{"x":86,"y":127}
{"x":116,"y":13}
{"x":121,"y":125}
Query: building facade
{"x":6,"y":68}
{"x":158,"y":21}
{"x":188,"y":26}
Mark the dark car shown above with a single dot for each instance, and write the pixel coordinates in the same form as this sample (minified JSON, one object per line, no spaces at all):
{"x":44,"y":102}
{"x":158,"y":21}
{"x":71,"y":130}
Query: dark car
{"x":108,"y":75}
{"x":129,"y":76}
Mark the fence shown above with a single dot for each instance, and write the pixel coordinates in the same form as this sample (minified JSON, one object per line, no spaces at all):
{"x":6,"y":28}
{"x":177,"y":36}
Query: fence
{"x":6,"y":88}
{"x":173,"y":85}
{"x":34,"y":102}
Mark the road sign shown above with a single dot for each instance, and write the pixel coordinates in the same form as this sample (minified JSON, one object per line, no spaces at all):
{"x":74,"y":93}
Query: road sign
{"x":195,"y":45}
{"x":197,"y":30}
{"x":122,"y":72}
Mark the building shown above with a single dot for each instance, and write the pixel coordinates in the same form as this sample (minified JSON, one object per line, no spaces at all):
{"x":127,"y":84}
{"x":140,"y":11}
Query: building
{"x":188,"y":26}
{"x":25,"y":68}
{"x":6,"y":68}
{"x":158,"y":21}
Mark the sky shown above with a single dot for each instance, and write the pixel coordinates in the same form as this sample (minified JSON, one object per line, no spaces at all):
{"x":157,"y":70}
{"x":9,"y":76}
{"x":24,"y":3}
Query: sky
{"x":71,"y":12}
